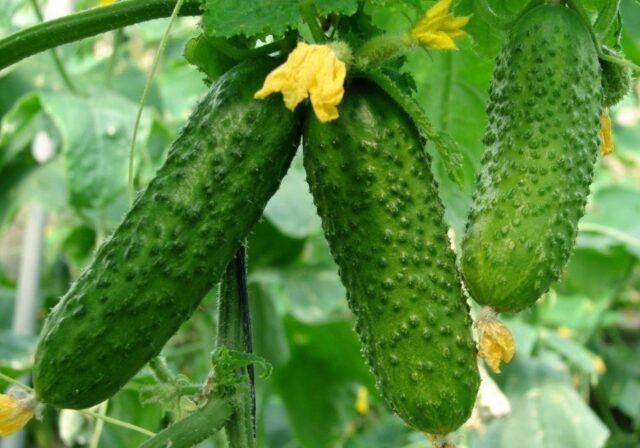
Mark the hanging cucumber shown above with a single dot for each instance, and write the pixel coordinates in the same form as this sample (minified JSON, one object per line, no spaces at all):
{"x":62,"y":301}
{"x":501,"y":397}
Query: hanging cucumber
{"x":172,"y":246}
{"x":374,"y":190}
{"x":544,"y":110}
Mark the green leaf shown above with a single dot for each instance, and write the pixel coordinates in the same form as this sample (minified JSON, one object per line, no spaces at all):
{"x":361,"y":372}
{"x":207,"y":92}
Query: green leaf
{"x":612,"y":264}
{"x":291,"y":209}
{"x":582,"y":315}
{"x":25,"y":181}
{"x":452,"y":90}
{"x":269,"y":340}
{"x":577,"y":356}
{"x":206,"y":58}
{"x":318,"y":385}
{"x":96,"y":133}
{"x":525,"y":335}
{"x":7,"y":298}
{"x":546,"y":411}
{"x":16,"y":351}
{"x":268,"y":246}
{"x":19,"y":126}
{"x":345,"y":7}
{"x":227,"y":18}
{"x":629,"y":399}
{"x":617,"y":208}
{"x":312,"y":293}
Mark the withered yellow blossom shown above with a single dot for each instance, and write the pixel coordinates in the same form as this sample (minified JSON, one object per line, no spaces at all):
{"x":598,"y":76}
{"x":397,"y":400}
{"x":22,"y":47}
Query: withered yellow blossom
{"x":14,"y":413}
{"x":438,"y":27}
{"x":310,"y":71}
{"x":495,"y":341}
{"x":606,"y":139}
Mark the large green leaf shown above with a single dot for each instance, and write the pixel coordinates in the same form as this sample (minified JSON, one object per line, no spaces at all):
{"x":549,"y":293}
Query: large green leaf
{"x":96,"y":132}
{"x":269,"y":339}
{"x":318,"y":385}
{"x":311,"y":293}
{"x":226,"y":18}
{"x":16,"y":351}
{"x":24,"y":181}
{"x":615,"y":212}
{"x":268,"y":246}
{"x":546,"y":411}
{"x":19,"y":126}
{"x":291,"y":209}
{"x":7,"y":298}
{"x":452,"y":89}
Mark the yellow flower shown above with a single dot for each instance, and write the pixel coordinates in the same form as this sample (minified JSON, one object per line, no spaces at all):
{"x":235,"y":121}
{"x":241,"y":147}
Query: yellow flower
{"x":310,"y":71}
{"x":105,"y":2}
{"x":495,"y":341}
{"x":438,"y":27}
{"x":14,"y":413}
{"x":362,"y":400}
{"x":599,"y":365}
{"x":606,"y":139}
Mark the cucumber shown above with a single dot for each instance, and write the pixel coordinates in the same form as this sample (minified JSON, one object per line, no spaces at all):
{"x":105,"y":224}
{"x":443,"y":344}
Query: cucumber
{"x":541,"y":141}
{"x":378,"y":201}
{"x":172,"y":246}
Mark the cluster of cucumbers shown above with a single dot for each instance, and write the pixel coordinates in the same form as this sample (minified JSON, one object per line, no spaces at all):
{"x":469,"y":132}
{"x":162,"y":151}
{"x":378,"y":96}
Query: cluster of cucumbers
{"x":374,"y":190}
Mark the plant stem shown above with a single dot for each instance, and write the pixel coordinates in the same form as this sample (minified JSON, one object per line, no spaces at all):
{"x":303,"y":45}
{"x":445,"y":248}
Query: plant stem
{"x":73,"y":27}
{"x":161,"y":370}
{"x":308,"y":10}
{"x":234,"y":332}
{"x":116,"y":422}
{"x":145,"y":92}
{"x":194,"y":428}
{"x":97,"y":430}
{"x":54,"y":53}
{"x":15,"y":382}
{"x":578,"y":8}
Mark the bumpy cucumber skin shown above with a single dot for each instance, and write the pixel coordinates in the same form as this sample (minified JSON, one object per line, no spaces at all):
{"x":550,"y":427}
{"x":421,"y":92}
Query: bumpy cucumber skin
{"x":541,"y":145}
{"x":383,"y":219}
{"x":172,"y":246}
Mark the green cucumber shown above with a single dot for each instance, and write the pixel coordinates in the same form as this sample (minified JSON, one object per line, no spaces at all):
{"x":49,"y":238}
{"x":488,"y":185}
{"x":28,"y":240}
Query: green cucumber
{"x":378,"y":201}
{"x":172,"y":246}
{"x":541,"y":141}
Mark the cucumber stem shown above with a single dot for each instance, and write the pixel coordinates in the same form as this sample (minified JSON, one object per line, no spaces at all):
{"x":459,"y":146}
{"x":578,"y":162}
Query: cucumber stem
{"x":308,"y":11}
{"x":57,"y":62}
{"x":196,"y":427}
{"x":234,"y":332}
{"x":77,"y":26}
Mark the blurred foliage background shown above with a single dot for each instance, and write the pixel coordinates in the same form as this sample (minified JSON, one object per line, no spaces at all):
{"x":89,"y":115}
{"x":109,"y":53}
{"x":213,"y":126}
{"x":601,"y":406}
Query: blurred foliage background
{"x":575,"y":380}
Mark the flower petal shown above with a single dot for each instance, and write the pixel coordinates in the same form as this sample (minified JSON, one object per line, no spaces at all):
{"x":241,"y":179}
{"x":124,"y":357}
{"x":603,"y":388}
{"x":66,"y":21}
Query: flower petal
{"x":14,"y":414}
{"x":606,"y":138}
{"x":438,"y":27}
{"x":495,"y":341}
{"x":310,"y":70}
